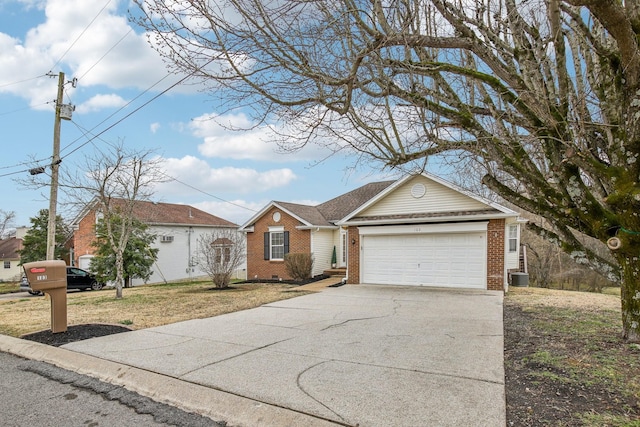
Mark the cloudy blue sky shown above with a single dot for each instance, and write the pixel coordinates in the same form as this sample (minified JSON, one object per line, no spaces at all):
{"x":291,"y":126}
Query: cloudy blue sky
{"x":118,"y":72}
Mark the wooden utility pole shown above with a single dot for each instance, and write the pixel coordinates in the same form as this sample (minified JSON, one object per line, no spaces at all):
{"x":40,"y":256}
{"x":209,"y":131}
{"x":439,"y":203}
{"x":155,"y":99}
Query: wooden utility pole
{"x":55,"y":164}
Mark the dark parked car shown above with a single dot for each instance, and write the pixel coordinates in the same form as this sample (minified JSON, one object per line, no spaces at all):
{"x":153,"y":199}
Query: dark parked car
{"x":77,"y":278}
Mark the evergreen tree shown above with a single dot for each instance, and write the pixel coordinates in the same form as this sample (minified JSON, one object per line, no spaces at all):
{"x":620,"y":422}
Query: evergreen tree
{"x":34,"y":243}
{"x":138,"y":255}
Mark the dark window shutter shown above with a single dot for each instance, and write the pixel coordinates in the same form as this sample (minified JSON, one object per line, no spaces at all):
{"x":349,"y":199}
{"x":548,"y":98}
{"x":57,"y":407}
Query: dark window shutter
{"x":266,"y":245}
{"x":286,"y":242}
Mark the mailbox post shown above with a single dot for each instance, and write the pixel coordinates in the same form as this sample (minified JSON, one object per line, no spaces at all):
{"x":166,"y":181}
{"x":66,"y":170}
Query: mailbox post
{"x":51,"y":277}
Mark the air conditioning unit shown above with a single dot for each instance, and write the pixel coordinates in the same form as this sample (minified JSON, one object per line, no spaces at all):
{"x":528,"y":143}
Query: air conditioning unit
{"x":166,"y":239}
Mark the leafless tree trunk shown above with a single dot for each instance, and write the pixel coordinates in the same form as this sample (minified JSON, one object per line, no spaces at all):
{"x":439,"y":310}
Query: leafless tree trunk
{"x":543,"y":94}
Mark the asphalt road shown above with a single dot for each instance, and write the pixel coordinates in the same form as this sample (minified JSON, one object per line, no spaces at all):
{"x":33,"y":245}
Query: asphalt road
{"x":38,"y":394}
{"x":16,"y":295}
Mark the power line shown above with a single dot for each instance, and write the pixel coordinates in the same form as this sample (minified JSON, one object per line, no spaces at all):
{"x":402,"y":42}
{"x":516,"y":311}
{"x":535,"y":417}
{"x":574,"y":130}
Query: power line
{"x":6,"y":113}
{"x":126,"y":116}
{"x":37,"y":161}
{"x":205,"y":193}
{"x":22,"y":81}
{"x":81,"y":34}
{"x":106,"y":53}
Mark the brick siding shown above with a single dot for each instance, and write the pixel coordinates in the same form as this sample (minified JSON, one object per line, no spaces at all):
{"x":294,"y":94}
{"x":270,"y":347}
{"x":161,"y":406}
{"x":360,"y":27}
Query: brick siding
{"x":495,"y":255}
{"x":353,"y":260}
{"x":84,"y":237}
{"x":299,"y":242}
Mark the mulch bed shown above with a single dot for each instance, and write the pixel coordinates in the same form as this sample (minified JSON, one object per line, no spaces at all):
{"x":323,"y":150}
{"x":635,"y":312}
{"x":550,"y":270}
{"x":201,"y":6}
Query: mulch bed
{"x":75,"y":333}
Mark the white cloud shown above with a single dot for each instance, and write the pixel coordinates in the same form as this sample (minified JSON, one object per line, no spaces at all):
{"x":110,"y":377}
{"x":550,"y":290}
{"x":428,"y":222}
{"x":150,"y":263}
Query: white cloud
{"x":105,"y":52}
{"x":227,"y":180}
{"x":235,"y":136}
{"x":154,"y":127}
{"x":98,"y":102}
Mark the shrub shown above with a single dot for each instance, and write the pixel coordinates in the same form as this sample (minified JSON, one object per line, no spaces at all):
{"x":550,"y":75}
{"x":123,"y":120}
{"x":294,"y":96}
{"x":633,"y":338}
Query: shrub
{"x":298,"y":266}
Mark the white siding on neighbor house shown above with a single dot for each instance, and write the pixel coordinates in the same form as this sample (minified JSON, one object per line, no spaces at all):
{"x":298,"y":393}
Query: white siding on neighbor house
{"x":176,"y":259}
{"x":322,"y":242}
{"x":14,"y":272}
{"x":437,"y":198}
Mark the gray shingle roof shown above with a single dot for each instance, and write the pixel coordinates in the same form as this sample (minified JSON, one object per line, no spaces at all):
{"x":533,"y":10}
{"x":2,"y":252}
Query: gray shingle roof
{"x":9,"y":248}
{"x":339,"y":207}
{"x":170,"y":213}
{"x":329,"y":212}
{"x":310,"y":214}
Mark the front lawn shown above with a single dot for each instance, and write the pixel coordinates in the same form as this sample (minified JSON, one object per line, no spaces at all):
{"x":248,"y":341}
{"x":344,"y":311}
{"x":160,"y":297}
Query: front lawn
{"x":141,"y":307}
{"x":565,"y":361}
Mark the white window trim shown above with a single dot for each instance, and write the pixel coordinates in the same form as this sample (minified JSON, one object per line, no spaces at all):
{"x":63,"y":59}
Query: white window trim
{"x":273,"y":230}
{"x":510,"y":238}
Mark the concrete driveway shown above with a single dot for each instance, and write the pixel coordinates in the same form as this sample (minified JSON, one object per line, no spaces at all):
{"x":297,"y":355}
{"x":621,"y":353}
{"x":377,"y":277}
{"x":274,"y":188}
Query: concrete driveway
{"x":353,"y":355}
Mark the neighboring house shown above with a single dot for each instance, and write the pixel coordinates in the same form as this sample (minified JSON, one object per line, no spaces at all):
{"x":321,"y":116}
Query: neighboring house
{"x":177,"y":228}
{"x":419,"y":230}
{"x":10,"y":268}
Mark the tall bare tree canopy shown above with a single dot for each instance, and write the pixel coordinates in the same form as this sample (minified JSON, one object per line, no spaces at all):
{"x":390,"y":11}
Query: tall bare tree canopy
{"x":113,"y":182}
{"x":6,"y":221}
{"x":543,"y":94}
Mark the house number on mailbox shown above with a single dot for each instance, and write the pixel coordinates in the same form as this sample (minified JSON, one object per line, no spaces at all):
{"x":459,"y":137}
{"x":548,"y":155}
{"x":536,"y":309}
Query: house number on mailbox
{"x":417,"y":229}
{"x":43,"y":277}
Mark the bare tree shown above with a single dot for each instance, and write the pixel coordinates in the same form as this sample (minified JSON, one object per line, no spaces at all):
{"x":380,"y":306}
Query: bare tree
{"x":544,"y":94}
{"x":6,"y":221}
{"x":219,"y":254}
{"x":113,"y":182}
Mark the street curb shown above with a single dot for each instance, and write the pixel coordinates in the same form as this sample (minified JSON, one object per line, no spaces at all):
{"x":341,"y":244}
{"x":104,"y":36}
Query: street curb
{"x":215,"y":404}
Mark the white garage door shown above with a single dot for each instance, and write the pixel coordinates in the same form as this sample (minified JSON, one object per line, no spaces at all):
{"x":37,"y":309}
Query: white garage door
{"x":441,"y":259}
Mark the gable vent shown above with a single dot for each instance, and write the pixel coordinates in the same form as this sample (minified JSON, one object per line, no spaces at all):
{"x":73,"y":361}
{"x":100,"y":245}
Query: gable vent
{"x":418,"y":190}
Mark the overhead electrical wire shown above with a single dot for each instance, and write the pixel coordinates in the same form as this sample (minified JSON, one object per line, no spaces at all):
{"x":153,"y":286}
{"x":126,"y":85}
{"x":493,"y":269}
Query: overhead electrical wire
{"x":49,"y":74}
{"x":97,"y":135}
{"x":207,"y":194}
{"x":106,"y":53}
{"x":17,"y":82}
{"x":126,"y":116}
{"x":80,"y":35}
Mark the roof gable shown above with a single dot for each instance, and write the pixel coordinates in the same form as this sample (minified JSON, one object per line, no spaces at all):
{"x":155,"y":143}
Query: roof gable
{"x":327,"y":213}
{"x":395,"y":201}
{"x":425,"y":195}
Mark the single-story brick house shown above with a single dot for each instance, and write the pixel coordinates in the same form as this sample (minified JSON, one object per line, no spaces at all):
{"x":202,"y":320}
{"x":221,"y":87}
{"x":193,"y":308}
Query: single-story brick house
{"x":418,"y":230}
{"x":177,"y":228}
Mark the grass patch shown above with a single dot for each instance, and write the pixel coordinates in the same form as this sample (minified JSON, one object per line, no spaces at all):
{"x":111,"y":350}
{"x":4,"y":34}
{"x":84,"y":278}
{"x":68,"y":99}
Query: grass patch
{"x":143,"y":306}
{"x":608,"y":420}
{"x":9,"y":287}
{"x":565,"y":361}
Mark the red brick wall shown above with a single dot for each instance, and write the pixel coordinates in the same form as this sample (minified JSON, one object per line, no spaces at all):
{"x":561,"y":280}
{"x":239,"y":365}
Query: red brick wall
{"x":299,"y":242}
{"x":495,"y":255}
{"x":84,"y":236}
{"x":353,"y":260}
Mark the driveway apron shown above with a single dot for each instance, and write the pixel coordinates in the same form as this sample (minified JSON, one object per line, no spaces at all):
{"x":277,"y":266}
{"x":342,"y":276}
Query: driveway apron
{"x":354,"y":355}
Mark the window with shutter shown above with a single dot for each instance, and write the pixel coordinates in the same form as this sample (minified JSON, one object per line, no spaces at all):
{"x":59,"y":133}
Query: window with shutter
{"x":276,"y":245}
